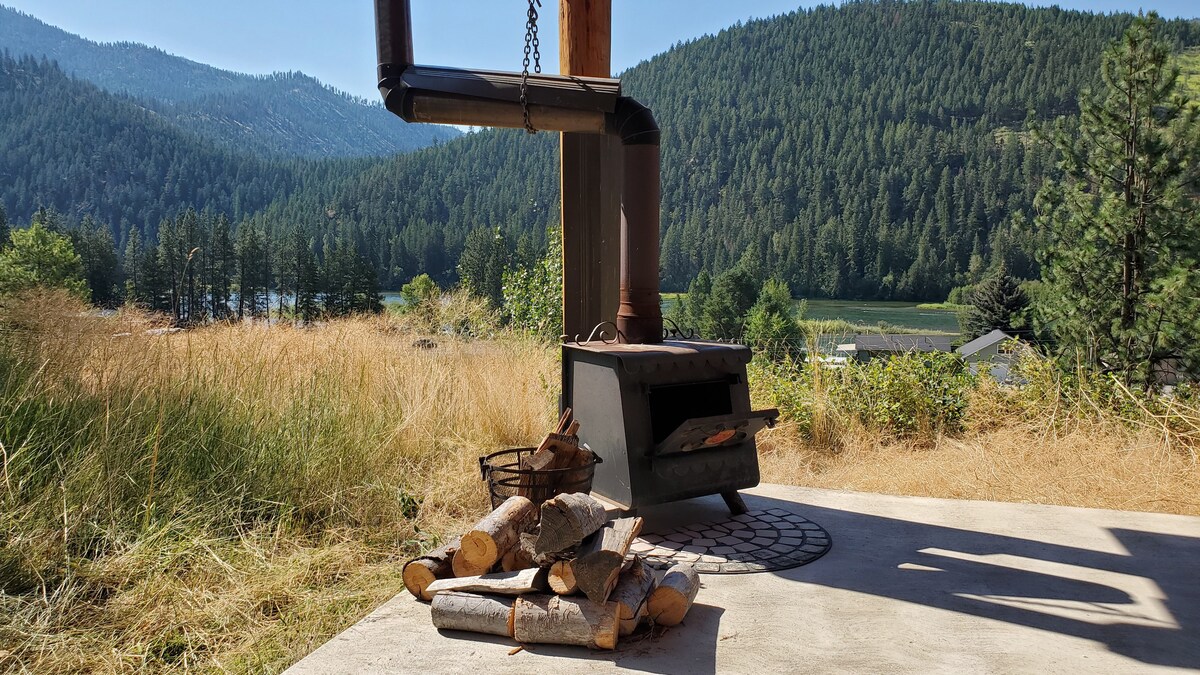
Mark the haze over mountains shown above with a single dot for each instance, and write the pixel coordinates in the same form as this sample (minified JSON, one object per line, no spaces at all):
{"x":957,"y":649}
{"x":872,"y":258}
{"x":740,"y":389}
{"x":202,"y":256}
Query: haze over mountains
{"x":289,"y":114}
{"x":873,"y":150}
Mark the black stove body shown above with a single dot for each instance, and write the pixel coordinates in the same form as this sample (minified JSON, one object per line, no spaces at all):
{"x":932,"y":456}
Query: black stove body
{"x":671,"y":420}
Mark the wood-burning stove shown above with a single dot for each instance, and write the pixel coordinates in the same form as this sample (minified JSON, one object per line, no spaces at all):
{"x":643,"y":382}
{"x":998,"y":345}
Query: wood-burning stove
{"x":671,"y":420}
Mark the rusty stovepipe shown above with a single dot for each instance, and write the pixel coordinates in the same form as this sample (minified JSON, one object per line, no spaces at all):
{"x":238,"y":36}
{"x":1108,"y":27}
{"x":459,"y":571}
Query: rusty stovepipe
{"x":448,"y":96}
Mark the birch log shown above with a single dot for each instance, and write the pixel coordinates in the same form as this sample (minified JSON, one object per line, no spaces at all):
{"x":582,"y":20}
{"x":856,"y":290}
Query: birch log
{"x":601,"y":557}
{"x":566,"y":520}
{"x":554,"y":619}
{"x":504,"y":583}
{"x":423,"y":570}
{"x":497,"y":532}
{"x":466,"y":611}
{"x":670,"y":602}
{"x":630,"y":595}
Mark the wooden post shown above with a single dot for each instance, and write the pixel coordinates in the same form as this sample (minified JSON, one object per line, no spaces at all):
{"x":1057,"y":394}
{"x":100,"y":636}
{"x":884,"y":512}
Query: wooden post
{"x":589,"y":179}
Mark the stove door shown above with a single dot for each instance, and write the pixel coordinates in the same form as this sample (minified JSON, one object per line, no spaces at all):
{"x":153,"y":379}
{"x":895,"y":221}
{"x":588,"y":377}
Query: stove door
{"x":706,"y":433}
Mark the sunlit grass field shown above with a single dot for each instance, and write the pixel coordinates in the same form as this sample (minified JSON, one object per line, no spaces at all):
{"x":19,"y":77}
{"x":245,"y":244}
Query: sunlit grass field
{"x":229,"y":497}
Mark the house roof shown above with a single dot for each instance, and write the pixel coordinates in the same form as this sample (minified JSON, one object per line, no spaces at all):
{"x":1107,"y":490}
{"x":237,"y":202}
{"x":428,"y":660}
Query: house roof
{"x":903,"y":343}
{"x":983,"y":342}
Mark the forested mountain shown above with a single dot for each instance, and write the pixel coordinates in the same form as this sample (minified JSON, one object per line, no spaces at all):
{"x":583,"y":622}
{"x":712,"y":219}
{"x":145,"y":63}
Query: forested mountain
{"x":66,"y":144}
{"x":874,"y":150}
{"x":285,"y":113}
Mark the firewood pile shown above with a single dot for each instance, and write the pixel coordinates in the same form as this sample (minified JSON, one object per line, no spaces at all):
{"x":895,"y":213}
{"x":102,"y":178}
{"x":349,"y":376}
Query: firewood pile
{"x":558,"y":574}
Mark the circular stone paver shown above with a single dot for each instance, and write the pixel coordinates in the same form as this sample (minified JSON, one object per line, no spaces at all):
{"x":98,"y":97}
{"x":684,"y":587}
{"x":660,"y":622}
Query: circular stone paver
{"x":762,"y":541}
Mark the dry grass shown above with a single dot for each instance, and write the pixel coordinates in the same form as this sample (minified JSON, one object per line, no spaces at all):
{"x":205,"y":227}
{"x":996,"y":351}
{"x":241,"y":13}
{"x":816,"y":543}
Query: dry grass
{"x":228,"y":498}
{"x":1094,"y":467}
{"x":232,"y":496}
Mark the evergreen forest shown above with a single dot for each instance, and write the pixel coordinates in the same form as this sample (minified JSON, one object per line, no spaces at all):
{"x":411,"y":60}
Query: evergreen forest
{"x":876,"y":150}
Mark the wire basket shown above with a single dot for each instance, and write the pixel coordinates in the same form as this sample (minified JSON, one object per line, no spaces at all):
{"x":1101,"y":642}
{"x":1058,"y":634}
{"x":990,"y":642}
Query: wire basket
{"x":505,"y":477}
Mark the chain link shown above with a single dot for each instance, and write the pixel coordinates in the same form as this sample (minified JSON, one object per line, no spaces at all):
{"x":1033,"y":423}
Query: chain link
{"x":532,"y":45}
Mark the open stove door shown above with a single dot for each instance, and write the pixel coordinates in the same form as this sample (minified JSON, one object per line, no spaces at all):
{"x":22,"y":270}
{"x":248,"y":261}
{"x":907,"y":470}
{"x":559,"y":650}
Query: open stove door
{"x":707,"y":433}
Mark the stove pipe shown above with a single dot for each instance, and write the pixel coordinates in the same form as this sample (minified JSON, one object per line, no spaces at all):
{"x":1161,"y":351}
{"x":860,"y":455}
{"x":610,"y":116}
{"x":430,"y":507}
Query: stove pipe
{"x":452,"y":96}
{"x":639,"y":317}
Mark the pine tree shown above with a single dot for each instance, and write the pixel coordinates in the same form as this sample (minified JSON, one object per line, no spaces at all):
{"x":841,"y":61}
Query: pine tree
{"x":734,"y":292}
{"x":250,"y":254}
{"x":1123,"y":258}
{"x":771,"y":327}
{"x":4,"y":241}
{"x":222,"y":264}
{"x":996,"y":303}
{"x":38,"y":256}
{"x":481,"y":267}
{"x":101,"y":269}
{"x":131,"y":267}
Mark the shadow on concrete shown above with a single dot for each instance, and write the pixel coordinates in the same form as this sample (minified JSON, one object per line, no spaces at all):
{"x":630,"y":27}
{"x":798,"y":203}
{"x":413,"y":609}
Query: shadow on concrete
{"x":690,"y":647}
{"x":1145,"y":605}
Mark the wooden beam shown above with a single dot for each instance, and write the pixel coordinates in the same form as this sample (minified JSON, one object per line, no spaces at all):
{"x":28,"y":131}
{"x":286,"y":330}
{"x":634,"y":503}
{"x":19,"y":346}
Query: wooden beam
{"x":590,"y":179}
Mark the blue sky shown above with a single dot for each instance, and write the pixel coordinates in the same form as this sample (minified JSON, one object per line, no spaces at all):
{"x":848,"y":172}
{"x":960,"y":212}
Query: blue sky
{"x":333,"y":40}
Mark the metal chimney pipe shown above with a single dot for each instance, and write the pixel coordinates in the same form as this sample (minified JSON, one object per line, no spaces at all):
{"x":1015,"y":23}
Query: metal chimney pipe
{"x":639,"y":316}
{"x":393,"y":39}
{"x":453,"y":100}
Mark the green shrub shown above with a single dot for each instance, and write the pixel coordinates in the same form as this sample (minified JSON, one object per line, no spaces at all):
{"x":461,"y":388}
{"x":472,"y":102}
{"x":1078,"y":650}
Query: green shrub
{"x":907,"y":394}
{"x":533,"y":295}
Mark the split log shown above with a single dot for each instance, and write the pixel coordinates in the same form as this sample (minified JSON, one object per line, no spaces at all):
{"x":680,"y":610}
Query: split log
{"x":601,"y":557}
{"x":554,"y":619}
{"x":497,"y":532}
{"x":562,"y":577}
{"x":541,"y":487}
{"x":464,"y":568}
{"x":630,"y":595}
{"x":566,"y":520}
{"x":423,"y":570}
{"x":521,"y":555}
{"x":504,"y":583}
{"x":466,"y":611}
{"x":670,"y":602}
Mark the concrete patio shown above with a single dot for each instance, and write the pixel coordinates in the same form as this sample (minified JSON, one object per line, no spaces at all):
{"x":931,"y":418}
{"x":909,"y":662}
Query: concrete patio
{"x":911,"y":585}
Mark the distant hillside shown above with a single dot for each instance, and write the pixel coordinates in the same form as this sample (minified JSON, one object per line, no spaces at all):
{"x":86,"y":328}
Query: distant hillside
{"x":290,"y":114}
{"x":92,"y":152}
{"x":871,"y":150}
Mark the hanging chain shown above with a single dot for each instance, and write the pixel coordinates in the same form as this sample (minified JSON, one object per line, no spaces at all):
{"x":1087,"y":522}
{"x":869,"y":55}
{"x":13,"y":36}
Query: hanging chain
{"x":532,"y":45}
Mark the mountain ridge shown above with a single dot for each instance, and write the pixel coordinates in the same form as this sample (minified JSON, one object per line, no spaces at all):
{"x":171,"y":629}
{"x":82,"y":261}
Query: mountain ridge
{"x":314,"y":120}
{"x":875,"y":150}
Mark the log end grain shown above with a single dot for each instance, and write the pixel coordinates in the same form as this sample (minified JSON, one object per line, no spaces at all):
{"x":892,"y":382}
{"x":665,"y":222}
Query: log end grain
{"x":417,"y":577}
{"x":562,"y":577}
{"x":465,"y":568}
{"x":478,"y":548}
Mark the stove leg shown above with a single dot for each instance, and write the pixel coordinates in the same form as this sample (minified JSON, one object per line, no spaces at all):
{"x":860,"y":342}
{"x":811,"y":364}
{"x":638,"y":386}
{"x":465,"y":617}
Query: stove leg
{"x":734,"y":501}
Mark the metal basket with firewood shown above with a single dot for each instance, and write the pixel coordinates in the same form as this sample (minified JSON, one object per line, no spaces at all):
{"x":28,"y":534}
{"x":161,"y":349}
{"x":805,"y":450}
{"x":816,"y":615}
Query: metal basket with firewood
{"x":558,"y":466}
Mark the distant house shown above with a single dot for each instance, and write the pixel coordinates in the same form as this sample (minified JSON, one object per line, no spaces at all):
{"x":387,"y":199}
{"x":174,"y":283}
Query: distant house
{"x":868,"y":347}
{"x":994,"y":352}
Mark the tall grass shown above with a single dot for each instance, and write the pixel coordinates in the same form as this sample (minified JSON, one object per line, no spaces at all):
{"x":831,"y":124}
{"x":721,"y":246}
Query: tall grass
{"x":137,"y":466}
